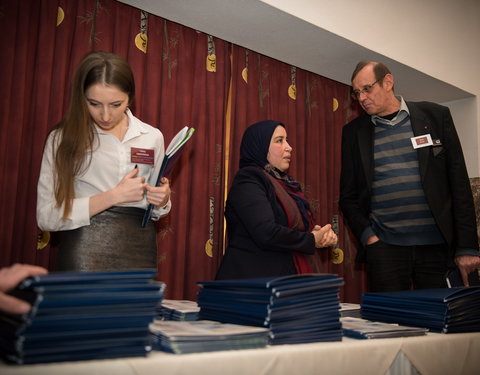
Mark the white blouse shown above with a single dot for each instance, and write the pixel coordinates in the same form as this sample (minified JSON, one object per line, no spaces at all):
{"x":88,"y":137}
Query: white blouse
{"x":110,"y":162}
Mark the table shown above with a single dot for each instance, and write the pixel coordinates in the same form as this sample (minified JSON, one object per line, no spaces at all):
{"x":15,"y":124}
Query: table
{"x":435,"y":354}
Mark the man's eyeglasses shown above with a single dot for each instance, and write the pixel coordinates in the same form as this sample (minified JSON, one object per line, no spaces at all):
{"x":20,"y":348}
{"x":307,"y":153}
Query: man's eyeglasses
{"x":366,"y":89}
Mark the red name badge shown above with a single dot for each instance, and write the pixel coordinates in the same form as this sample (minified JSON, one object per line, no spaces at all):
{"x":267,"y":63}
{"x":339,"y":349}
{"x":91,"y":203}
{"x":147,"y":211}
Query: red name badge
{"x":142,"y":156}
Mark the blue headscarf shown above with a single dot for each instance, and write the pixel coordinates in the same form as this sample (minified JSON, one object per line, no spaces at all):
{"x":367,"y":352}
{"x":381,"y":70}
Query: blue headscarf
{"x":256,"y":142}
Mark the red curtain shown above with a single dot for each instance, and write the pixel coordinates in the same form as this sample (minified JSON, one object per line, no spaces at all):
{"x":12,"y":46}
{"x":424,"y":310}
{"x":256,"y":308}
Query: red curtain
{"x":183,"y":77}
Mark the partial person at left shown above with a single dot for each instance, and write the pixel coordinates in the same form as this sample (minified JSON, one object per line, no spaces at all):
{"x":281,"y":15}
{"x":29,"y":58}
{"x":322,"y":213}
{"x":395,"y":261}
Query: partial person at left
{"x":10,"y":277}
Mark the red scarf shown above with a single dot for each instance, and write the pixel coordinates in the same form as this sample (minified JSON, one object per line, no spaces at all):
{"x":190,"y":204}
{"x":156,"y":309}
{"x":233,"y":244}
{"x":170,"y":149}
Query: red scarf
{"x":294,"y":219}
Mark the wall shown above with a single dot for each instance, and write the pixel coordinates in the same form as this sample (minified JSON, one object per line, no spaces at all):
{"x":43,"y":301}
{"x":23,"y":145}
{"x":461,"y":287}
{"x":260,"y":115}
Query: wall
{"x":438,"y":37}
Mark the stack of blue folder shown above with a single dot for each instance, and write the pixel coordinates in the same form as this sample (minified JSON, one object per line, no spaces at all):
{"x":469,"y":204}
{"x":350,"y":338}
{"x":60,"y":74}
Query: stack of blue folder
{"x":296,"y":309}
{"x":80,"y":316}
{"x":446,"y":310}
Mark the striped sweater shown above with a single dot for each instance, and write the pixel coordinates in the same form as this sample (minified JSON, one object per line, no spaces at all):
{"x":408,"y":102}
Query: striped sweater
{"x":400,"y":213}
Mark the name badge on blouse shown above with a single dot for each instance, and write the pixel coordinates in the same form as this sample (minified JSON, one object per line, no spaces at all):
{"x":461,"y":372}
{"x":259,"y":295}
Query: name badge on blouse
{"x":422,"y":141}
{"x":142,"y":156}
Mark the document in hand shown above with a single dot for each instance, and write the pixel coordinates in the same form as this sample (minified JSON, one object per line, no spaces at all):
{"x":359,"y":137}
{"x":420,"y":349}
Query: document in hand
{"x":454,"y":278}
{"x":171,"y":155}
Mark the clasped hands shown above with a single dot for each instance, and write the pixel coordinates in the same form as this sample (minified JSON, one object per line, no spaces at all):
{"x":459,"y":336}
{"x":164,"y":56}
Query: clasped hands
{"x":132,"y":189}
{"x":324,"y":236}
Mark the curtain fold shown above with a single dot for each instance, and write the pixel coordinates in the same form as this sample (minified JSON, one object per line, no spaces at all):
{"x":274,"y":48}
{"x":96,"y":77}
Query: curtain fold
{"x":183,"y":77}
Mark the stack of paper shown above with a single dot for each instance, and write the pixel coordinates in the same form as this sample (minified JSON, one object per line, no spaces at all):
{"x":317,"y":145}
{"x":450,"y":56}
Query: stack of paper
{"x":296,"y":309}
{"x":444,"y":310}
{"x":171,"y":309}
{"x":365,"y":329}
{"x":79,"y":316}
{"x":205,"y":336}
{"x":350,"y":309}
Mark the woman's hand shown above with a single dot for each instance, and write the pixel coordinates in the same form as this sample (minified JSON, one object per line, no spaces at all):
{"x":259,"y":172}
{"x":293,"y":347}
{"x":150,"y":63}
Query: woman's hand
{"x":159,"y":195}
{"x":324,"y":236}
{"x":131,"y":188}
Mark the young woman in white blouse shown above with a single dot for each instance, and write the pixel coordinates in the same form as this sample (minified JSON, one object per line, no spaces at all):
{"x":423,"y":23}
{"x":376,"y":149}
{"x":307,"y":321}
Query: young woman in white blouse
{"x":98,"y":173}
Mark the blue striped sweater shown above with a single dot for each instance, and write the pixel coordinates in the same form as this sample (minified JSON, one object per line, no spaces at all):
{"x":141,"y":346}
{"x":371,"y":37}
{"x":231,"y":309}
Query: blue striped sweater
{"x":400,"y":214}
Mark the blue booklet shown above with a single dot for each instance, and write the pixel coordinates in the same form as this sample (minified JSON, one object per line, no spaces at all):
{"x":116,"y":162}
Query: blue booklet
{"x":290,"y":281}
{"x":62,"y":278}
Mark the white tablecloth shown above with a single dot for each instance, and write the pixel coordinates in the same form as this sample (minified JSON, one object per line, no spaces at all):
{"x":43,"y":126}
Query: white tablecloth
{"x":435,"y":354}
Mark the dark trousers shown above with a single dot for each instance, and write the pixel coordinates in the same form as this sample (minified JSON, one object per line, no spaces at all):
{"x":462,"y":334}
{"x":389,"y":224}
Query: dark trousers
{"x":392,"y":267}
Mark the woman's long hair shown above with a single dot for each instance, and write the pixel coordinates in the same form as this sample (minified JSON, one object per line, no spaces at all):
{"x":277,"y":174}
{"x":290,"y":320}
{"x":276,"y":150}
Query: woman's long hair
{"x":75,"y":132}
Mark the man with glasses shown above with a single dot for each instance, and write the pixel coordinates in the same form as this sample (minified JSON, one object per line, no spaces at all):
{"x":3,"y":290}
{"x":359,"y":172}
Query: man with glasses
{"x":404,"y":188}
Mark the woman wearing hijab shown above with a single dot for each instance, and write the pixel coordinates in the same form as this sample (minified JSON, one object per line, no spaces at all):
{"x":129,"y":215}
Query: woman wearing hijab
{"x":269,"y":221}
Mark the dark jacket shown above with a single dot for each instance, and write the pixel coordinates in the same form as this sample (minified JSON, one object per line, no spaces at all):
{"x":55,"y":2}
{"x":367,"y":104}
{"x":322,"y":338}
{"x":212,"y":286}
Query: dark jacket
{"x":442,"y":170}
{"x":259,"y":242}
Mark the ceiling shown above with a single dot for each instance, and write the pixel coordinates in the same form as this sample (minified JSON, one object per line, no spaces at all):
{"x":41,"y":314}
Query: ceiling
{"x":267,"y":30}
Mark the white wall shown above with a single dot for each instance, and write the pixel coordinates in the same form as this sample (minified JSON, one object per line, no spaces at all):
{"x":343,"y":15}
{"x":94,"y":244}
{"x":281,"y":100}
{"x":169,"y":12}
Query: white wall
{"x":438,"y":37}
{"x":464,"y":113}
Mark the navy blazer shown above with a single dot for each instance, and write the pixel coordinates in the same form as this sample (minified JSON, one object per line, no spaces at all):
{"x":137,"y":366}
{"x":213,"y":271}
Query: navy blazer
{"x":442,"y":170}
{"x":260,"y":243}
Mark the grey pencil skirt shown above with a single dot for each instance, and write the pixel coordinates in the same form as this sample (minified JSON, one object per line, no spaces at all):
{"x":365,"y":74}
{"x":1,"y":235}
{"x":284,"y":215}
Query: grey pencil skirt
{"x":114,"y":240}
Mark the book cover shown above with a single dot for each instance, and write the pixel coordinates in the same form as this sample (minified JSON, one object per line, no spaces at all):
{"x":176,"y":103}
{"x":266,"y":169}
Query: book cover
{"x":172,"y":153}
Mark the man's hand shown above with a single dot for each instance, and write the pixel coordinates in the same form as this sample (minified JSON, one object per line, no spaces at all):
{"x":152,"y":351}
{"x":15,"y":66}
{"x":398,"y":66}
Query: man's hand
{"x":467,"y":264}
